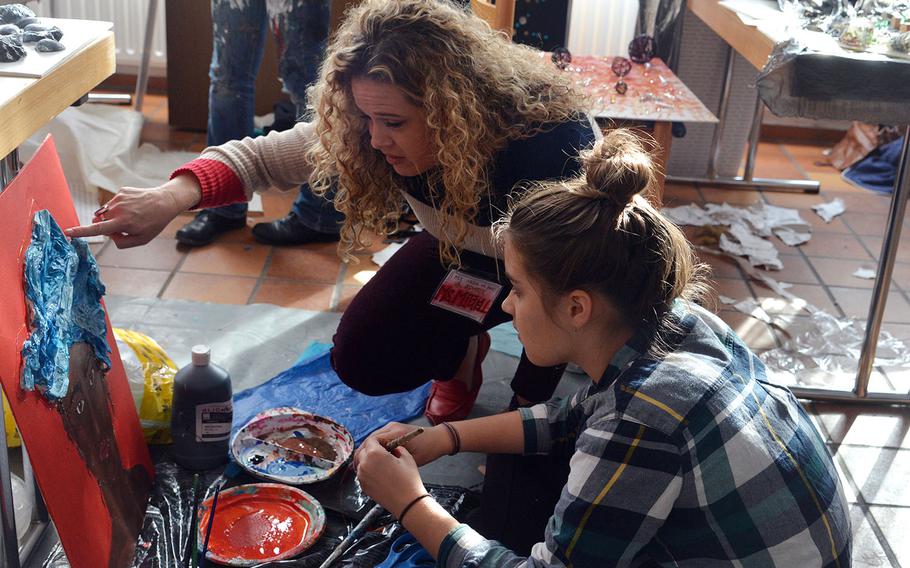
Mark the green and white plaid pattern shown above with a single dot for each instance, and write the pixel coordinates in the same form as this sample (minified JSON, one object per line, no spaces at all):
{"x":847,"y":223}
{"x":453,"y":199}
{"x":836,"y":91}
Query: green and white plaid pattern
{"x":688,"y":459}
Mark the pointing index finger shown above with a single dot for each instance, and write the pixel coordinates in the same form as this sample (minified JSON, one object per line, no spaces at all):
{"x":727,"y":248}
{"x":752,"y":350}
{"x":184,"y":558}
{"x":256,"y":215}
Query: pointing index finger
{"x":93,"y":229}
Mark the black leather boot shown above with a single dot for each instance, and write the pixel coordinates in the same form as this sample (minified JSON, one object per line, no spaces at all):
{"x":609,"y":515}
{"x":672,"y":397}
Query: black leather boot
{"x":290,"y":230}
{"x":205,"y":227}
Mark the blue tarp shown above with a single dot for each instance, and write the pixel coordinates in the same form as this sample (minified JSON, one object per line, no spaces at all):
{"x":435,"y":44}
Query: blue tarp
{"x":312,"y":385}
{"x":64,"y":293}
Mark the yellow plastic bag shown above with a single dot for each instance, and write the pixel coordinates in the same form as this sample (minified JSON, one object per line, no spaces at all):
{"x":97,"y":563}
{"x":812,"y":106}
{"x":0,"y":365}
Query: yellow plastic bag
{"x":151,"y":376}
{"x":12,"y":432}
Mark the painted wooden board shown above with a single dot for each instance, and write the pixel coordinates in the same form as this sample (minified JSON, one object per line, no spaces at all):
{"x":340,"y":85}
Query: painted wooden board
{"x":76,"y":35}
{"x":89,"y":457}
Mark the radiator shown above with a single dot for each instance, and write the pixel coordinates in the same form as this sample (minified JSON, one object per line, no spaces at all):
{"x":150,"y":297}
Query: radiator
{"x":129,"y":17}
{"x":602,"y":27}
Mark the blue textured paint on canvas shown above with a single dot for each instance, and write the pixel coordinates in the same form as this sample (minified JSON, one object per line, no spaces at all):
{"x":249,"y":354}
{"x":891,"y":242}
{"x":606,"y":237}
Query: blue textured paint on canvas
{"x":63,"y":289}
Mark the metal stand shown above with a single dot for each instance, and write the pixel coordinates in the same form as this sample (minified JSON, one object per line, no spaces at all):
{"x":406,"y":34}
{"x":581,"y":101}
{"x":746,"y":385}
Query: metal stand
{"x":879,"y":297}
{"x":746,"y":181}
{"x":143,"y":78}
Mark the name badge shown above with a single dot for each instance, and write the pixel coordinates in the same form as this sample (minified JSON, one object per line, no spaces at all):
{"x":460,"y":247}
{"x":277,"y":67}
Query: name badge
{"x":466,"y":295}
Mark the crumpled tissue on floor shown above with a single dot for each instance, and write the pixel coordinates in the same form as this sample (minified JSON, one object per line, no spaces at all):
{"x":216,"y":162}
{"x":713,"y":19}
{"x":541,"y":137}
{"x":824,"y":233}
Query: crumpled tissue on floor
{"x":64,"y":292}
{"x":749,"y":228}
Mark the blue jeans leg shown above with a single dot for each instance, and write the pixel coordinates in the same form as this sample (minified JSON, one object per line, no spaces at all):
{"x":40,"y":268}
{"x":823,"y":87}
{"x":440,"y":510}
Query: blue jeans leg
{"x":238,"y":44}
{"x":316,"y":212}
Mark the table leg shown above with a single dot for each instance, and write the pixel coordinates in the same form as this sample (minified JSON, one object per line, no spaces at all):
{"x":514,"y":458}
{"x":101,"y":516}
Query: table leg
{"x":879,"y":297}
{"x":663,"y":136}
{"x":746,"y":181}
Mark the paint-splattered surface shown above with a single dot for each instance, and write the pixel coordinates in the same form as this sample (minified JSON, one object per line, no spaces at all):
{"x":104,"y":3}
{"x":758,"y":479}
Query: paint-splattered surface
{"x":654,"y":92}
{"x":260,"y":522}
{"x":293,"y":446}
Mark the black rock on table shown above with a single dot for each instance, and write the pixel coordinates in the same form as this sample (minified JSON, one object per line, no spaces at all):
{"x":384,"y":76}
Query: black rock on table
{"x":9,"y":51}
{"x":49,"y":45}
{"x":12,"y":13}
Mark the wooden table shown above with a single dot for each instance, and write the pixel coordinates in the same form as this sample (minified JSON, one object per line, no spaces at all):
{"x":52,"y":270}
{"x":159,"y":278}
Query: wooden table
{"x":28,"y":104}
{"x":655,"y":94}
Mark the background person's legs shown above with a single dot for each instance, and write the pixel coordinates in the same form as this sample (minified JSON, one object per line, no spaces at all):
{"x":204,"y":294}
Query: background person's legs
{"x":301,"y":30}
{"x":238,"y":43}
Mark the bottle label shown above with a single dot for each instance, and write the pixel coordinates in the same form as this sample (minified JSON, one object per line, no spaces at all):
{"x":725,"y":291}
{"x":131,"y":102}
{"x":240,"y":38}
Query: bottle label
{"x":213,"y":421}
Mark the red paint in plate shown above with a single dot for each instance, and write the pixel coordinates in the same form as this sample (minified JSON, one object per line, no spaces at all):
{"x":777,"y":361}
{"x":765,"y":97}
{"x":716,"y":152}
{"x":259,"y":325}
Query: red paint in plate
{"x":261,"y":522}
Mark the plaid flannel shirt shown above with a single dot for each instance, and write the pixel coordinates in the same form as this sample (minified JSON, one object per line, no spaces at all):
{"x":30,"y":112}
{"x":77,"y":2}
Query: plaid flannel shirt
{"x":689,"y":459}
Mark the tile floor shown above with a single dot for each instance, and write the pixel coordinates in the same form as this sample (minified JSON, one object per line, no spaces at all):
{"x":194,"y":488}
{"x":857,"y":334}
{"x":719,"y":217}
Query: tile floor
{"x":871,"y":444}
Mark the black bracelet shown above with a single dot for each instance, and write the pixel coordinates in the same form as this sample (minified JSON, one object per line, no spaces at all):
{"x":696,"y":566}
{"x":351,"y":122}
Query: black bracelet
{"x":456,"y":439}
{"x":408,"y":507}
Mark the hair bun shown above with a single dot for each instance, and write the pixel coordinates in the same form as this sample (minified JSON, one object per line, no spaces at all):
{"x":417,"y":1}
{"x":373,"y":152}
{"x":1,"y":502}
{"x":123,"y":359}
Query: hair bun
{"x":618,"y":167}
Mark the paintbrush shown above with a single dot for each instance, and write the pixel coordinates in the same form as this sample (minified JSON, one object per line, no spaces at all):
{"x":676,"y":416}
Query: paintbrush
{"x":230,"y":472}
{"x":374,"y":513}
{"x":303,"y":457}
{"x":191,"y":557}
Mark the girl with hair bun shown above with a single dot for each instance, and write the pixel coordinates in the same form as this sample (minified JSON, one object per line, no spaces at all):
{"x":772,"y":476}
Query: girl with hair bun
{"x":680,"y":453}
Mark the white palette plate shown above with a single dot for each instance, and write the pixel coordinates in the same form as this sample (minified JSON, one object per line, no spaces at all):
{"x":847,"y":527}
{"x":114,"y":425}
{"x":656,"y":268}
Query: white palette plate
{"x":76,"y":35}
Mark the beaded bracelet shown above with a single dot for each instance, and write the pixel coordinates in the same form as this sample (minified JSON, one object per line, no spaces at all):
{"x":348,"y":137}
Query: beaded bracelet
{"x":456,"y":439}
{"x":408,"y":507}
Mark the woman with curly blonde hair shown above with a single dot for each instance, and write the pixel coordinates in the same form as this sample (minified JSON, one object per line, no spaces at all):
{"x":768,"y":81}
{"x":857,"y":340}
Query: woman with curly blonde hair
{"x":418,"y":102}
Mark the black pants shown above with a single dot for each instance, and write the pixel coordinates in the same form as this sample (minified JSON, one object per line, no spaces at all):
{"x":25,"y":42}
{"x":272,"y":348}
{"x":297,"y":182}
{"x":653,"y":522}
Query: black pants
{"x":390,"y":339}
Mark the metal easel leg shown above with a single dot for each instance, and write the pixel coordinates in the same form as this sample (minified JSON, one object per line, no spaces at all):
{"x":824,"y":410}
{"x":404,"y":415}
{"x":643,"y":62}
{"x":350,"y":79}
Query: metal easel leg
{"x":9,"y":167}
{"x":746,"y":181}
{"x":890,"y":243}
{"x":10,"y":548}
{"x":143,"y":78}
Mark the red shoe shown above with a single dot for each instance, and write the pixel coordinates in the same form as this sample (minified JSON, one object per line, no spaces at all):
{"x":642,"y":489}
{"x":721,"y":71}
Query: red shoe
{"x":450,"y":400}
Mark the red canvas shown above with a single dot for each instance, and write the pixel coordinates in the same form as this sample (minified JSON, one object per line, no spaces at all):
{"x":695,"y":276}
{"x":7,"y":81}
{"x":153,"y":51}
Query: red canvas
{"x":87,"y":450}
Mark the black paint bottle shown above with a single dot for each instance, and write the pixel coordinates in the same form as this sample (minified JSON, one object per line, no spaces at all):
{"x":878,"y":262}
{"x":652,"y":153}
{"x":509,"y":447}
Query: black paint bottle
{"x":202,"y":412}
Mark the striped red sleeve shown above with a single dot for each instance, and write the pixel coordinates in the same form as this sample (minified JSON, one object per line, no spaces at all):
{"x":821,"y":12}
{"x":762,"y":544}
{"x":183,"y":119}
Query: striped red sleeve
{"x":220,"y":185}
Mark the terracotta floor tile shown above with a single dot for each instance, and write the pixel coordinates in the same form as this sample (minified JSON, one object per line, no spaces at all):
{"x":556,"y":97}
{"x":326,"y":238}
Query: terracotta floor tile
{"x":213,"y":288}
{"x":731,"y":287}
{"x":312,"y":263}
{"x":135,"y":282}
{"x":738,"y":197}
{"x":809,"y":158}
{"x":227,"y":258}
{"x":866,"y":223}
{"x":881,"y":474}
{"x":867,"y":549}
{"x":159,"y":254}
{"x":874,"y":246}
{"x":862,"y":201}
{"x":801,"y":201}
{"x":836,"y":245}
{"x":360,"y":273}
{"x":814,"y":295}
{"x":678,"y":194}
{"x":291,"y":294}
{"x":773,"y":162}
{"x":819,"y":225}
{"x":893,"y":522}
{"x":879,"y":426}
{"x":900,"y":274}
{"x":346,"y":294}
{"x":755,"y":333}
{"x":855,"y":303}
{"x":796,"y":269}
{"x":722,"y":266}
{"x":837,"y":272}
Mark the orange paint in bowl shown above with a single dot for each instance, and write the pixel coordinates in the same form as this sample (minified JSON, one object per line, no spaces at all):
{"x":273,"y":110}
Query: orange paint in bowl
{"x":259,"y":522}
